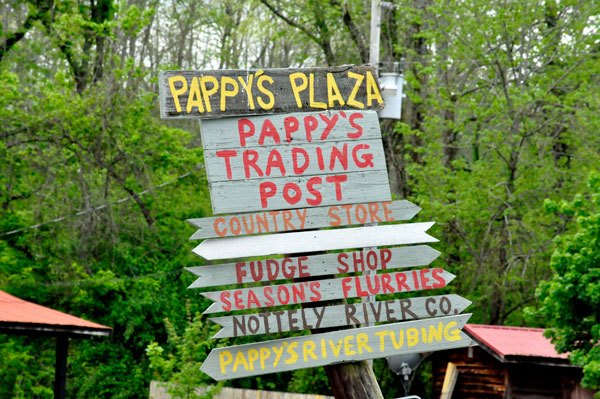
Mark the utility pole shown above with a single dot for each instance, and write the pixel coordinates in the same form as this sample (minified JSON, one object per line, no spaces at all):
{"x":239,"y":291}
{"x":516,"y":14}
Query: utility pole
{"x":357,"y":380}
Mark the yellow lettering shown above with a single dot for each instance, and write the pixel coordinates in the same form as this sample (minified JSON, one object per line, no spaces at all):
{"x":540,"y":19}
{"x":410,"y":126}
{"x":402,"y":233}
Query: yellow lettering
{"x":311,"y":93}
{"x":207,"y":93}
{"x":252,"y":357}
{"x":398,"y":344}
{"x":297,"y":88}
{"x":351,"y":100}
{"x":175,"y":93}
{"x":278,"y":354}
{"x":226,"y":80}
{"x":307,"y":349}
{"x":248,"y":89}
{"x":412,"y":336}
{"x":336,"y":348}
{"x":267,"y":92}
{"x":240,"y":359}
{"x":348,"y":346}
{"x":372,"y":90}
{"x":323,"y":349}
{"x":225,"y":358}
{"x":453,"y":335}
{"x":194,"y":99}
{"x":361,"y":342}
{"x":381,"y":335}
{"x":333,"y":93}
{"x":265,"y":353}
{"x":293,"y":355}
{"x":433,"y":333}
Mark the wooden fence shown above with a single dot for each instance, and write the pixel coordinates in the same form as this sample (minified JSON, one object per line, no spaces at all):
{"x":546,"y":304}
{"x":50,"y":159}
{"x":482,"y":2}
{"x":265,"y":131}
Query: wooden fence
{"x":158,"y":390}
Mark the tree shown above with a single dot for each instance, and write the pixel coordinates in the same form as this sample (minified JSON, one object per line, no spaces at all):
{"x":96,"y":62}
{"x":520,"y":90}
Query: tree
{"x":570,"y":300}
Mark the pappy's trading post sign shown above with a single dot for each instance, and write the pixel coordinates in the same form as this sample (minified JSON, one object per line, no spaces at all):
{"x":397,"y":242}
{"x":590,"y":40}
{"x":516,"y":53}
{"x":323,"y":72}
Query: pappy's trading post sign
{"x":217,"y":93}
{"x":294,"y":160}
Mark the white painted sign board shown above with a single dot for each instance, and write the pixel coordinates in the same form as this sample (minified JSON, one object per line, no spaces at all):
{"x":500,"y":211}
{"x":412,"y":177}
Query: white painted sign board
{"x":337,"y":347}
{"x":254,"y":271}
{"x":339,"y":315}
{"x":313,"y":241}
{"x":294,"y":160}
{"x":302,"y":219}
{"x":324,"y":290}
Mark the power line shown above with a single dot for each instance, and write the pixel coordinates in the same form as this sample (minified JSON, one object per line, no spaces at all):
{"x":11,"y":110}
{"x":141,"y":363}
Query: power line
{"x":94,"y":209}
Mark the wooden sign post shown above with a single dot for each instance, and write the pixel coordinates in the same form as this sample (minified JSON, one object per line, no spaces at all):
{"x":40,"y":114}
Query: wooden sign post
{"x":287,"y":152}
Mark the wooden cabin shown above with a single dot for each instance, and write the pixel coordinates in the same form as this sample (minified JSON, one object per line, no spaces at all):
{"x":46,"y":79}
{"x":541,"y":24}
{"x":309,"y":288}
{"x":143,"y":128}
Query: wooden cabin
{"x":509,"y":362}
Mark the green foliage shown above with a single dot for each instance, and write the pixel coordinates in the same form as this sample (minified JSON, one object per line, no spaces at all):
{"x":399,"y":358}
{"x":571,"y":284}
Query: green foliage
{"x":26,"y":365}
{"x":181,"y":366}
{"x":570,"y":300}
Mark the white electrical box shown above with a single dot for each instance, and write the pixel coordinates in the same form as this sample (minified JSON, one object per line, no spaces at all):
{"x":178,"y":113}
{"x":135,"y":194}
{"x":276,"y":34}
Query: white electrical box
{"x":391,"y":87}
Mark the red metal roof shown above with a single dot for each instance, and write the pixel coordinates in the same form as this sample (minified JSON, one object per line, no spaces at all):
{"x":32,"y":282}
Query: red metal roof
{"x":16,"y":311}
{"x":514,"y":341}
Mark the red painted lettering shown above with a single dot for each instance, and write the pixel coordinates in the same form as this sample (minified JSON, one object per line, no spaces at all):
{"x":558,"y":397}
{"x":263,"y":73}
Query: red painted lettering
{"x":314,"y":288}
{"x":425,"y":279}
{"x":218,"y":221}
{"x":318,"y":198}
{"x":365,"y":159}
{"x":296,"y":197}
{"x":267,"y":190}
{"x":337,"y":180}
{"x":330,"y":125}
{"x":240,"y":272}
{"x":297,"y":168}
{"x":268,"y":292}
{"x":401,"y":282}
{"x":225,"y":300}
{"x":341,"y":155}
{"x":226,"y":154}
{"x":239,"y":302}
{"x":290,"y":125}
{"x":341,"y":260}
{"x":245,"y":130}
{"x":336,"y":221}
{"x":268,"y":130}
{"x":359,"y":129}
{"x":373,"y":208}
{"x":436,"y":274}
{"x":275,"y":161}
{"x":249,"y":158}
{"x":302,"y":268}
{"x":387,"y":212}
{"x":310,"y":124}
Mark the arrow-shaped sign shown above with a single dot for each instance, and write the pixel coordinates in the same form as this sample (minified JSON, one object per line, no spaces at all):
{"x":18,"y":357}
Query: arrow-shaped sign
{"x":313,"y":241}
{"x":302,"y":219}
{"x":323,"y":290}
{"x":337,"y":347}
{"x":311,"y":266}
{"x":340,"y":315}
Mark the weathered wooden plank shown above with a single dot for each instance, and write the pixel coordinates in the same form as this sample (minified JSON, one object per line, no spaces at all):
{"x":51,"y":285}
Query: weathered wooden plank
{"x":312,"y":266}
{"x":292,"y":130}
{"x":303,"y":219}
{"x":316,"y":159}
{"x":313,"y":241}
{"x":306,"y":351}
{"x":339,"y":315}
{"x":324,"y":290}
{"x":217,"y":93}
{"x":299,"y":192}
